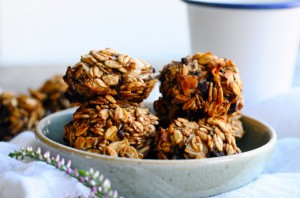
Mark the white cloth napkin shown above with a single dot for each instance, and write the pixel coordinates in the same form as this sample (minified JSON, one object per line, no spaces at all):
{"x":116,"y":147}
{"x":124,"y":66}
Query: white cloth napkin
{"x":33,"y":179}
{"x":280,"y":178}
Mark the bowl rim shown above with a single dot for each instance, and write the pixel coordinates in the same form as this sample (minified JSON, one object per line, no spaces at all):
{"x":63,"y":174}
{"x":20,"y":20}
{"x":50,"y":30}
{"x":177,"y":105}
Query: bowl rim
{"x":42,"y":138}
{"x":246,"y":4}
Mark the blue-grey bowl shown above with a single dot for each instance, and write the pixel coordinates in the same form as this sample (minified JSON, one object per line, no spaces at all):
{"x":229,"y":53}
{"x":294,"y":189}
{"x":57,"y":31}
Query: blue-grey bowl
{"x":168,"y":178}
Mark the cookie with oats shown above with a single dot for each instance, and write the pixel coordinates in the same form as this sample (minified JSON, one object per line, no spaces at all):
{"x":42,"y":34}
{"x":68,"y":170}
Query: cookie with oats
{"x":112,"y":127}
{"x":184,"y":139}
{"x":107,"y":72}
{"x":18,"y":112}
{"x":200,"y":84}
{"x":51,"y":95}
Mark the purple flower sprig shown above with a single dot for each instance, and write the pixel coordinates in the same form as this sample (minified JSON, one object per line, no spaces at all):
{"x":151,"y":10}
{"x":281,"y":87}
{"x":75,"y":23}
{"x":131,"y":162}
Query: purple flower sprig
{"x":100,"y":187}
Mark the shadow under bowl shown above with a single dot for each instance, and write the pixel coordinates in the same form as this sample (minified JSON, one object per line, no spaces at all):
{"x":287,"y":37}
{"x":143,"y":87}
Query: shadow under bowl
{"x":168,"y":178}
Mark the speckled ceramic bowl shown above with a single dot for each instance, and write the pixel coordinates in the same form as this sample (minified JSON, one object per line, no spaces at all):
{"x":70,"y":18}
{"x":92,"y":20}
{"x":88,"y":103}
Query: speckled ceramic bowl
{"x":168,"y":178}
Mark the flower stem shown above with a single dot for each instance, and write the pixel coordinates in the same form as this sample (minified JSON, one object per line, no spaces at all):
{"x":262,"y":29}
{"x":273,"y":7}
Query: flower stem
{"x":99,"y":186}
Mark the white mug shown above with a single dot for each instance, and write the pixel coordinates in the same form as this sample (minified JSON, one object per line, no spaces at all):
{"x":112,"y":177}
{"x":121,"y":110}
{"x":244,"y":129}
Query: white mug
{"x":261,"y":37}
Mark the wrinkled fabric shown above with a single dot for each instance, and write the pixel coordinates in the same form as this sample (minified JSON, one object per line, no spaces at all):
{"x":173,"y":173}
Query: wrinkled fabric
{"x":32,"y":179}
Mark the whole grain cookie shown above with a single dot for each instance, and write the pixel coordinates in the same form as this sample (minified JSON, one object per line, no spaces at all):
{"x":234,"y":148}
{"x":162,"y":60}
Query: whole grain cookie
{"x":51,"y":94}
{"x":184,"y":139}
{"x":107,"y":72}
{"x":203,"y":84}
{"x":112,"y":127}
{"x":18,"y":112}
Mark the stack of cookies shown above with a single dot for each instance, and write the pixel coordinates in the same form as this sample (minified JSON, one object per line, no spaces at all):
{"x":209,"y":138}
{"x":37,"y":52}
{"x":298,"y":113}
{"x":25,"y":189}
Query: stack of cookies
{"x":200,"y":108}
{"x":110,"y":86}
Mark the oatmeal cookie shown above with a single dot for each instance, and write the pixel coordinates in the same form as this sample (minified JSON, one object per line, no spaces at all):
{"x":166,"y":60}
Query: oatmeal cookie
{"x":51,"y":95}
{"x":184,"y":139}
{"x":112,"y":127}
{"x":201,"y":84}
{"x":107,"y":72}
{"x":18,"y":112}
